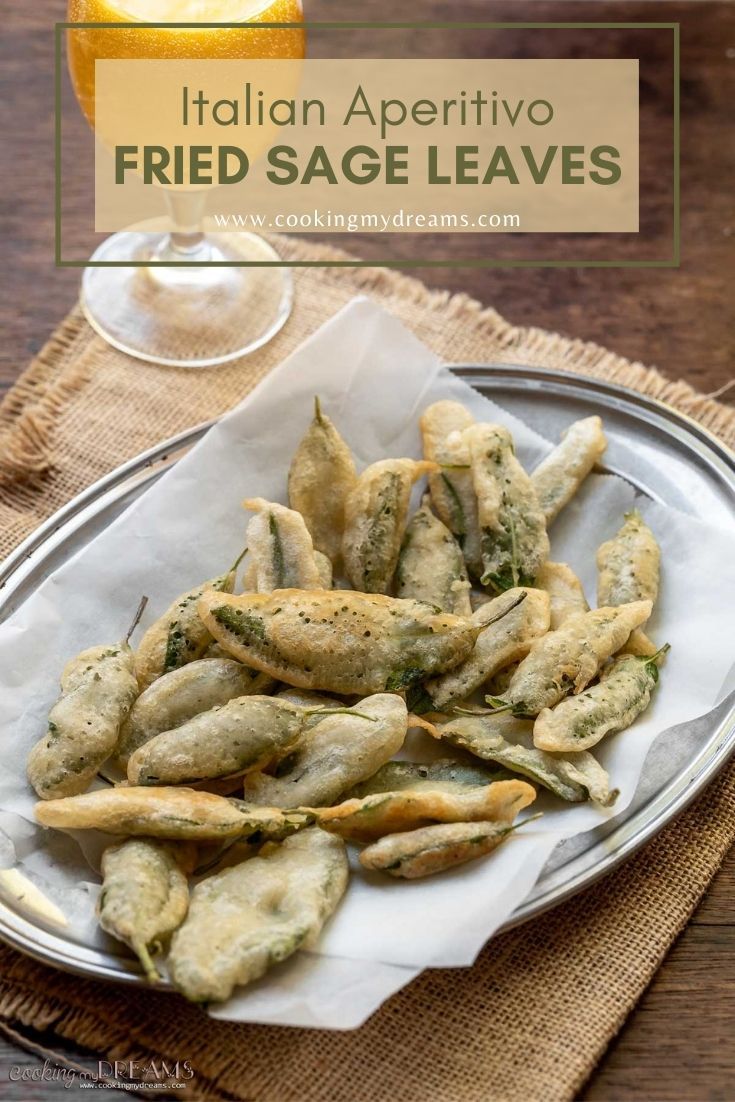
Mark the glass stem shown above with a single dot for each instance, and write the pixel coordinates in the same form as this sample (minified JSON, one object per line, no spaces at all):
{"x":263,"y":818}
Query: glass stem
{"x":186,"y":242}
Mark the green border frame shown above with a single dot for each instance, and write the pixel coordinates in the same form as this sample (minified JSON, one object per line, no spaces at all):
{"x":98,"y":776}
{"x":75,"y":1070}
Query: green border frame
{"x":673,"y":262}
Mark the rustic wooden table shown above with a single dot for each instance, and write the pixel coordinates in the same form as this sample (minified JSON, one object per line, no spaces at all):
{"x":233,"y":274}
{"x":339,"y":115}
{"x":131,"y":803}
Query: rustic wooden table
{"x":677,"y":1045}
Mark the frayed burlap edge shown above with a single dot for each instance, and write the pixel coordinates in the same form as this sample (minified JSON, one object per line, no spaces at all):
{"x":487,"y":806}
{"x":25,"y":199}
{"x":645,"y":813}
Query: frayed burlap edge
{"x":30,"y":409}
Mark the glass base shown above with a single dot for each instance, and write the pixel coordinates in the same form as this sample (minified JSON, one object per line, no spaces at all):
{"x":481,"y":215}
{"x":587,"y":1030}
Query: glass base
{"x":186,"y":316}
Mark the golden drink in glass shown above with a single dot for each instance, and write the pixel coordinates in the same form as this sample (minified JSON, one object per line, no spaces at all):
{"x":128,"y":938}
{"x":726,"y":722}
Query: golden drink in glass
{"x":179,"y":312}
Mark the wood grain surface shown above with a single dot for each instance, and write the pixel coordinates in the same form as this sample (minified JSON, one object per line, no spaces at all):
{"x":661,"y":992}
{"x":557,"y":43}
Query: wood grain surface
{"x":678,"y":1044}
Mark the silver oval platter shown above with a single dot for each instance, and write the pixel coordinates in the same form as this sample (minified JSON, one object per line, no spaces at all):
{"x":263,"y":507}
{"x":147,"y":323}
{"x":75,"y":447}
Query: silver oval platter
{"x":676,"y":462}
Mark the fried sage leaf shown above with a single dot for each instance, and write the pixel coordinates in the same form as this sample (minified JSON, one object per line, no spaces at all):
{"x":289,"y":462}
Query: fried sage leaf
{"x":373,"y":816}
{"x":337,"y":640}
{"x":628,"y":564}
{"x":514,"y":541}
{"x":508,"y":627}
{"x":177,"y":697}
{"x":375,"y":517}
{"x":98,"y":688}
{"x":497,"y":685}
{"x":324,"y":567}
{"x":394,"y":776}
{"x":179,"y":636}
{"x":452,"y":489}
{"x":622,"y":693}
{"x":246,"y":919}
{"x":321,"y":476}
{"x":431,"y":566}
{"x":246,"y":733}
{"x":179,"y":814}
{"x":333,"y":755}
{"x":565,"y":591}
{"x":432,"y":849}
{"x":281,"y":550}
{"x":628,"y":568}
{"x":558,"y":477}
{"x":508,"y":742}
{"x":567,"y":659}
{"x":145,"y":894}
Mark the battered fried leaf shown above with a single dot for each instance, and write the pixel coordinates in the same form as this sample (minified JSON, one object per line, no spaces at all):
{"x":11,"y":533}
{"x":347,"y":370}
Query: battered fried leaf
{"x":179,"y":636}
{"x":508,"y":627}
{"x":98,"y":688}
{"x":509,"y":742}
{"x":321,"y":476}
{"x":558,"y":477}
{"x":246,"y":733}
{"x":375,"y":518}
{"x":622,"y":693}
{"x":338,"y":640}
{"x":373,"y":816}
{"x":178,"y":814}
{"x":431,"y":566}
{"x":177,"y":697}
{"x":433,"y":849}
{"x":337,"y":752}
{"x":145,"y":894}
{"x":246,"y":919}
{"x":564,"y":589}
{"x":452,"y":490}
{"x":395,"y":776}
{"x":569,"y":658}
{"x":514,"y":540}
{"x":629,"y":568}
{"x":282,"y":554}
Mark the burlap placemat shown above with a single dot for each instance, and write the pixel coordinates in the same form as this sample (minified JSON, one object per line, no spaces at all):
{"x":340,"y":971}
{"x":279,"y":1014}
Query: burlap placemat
{"x":531,"y":1019}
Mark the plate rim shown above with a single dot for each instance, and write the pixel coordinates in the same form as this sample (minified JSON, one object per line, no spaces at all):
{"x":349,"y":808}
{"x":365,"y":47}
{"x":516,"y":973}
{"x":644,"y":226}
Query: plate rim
{"x":22,"y":933}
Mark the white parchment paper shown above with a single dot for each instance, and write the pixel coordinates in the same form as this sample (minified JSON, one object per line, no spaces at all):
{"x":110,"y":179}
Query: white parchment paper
{"x":374,"y":379}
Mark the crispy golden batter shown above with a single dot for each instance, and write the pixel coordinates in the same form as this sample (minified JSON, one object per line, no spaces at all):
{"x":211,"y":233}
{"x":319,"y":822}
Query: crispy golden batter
{"x":504,"y":637}
{"x":628,"y":564}
{"x":338,"y":640}
{"x":509,"y":742}
{"x":629,"y":568}
{"x":497,"y":685}
{"x":98,"y":688}
{"x":623,"y":692}
{"x":281,"y":550}
{"x":246,"y":733}
{"x":145,"y":894}
{"x":431,"y":566}
{"x":432,"y":849}
{"x":179,"y":636}
{"x":375,"y":517}
{"x":322,"y":474}
{"x":567,"y":659}
{"x":177,"y":697}
{"x":179,"y":814}
{"x":305,"y":698}
{"x":324,"y":569}
{"x":427,"y":802}
{"x":394,"y":776}
{"x":246,"y":919}
{"x":514,"y":543}
{"x":564,"y":589}
{"x":452,"y":489}
{"x":558,"y":477}
{"x":333,"y":755}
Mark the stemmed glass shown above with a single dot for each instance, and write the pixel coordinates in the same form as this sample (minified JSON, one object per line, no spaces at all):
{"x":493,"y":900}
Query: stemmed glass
{"x":190,"y":316}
